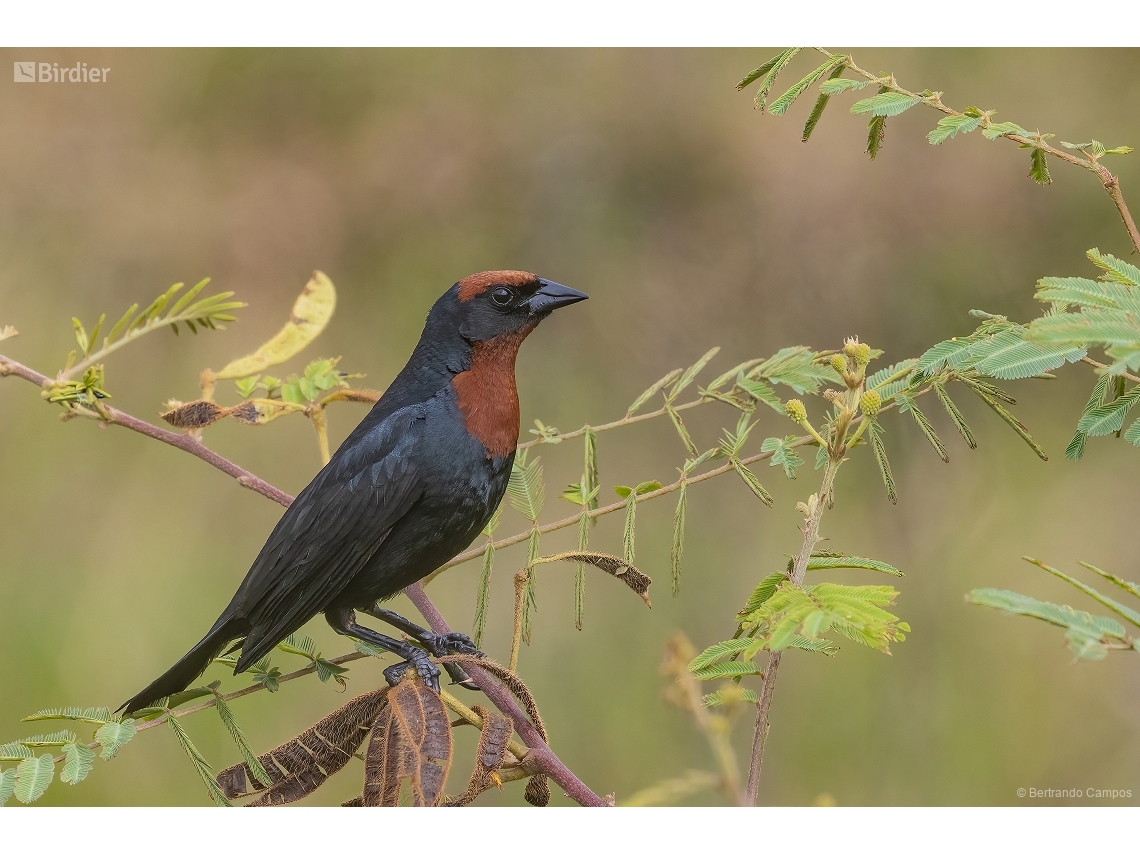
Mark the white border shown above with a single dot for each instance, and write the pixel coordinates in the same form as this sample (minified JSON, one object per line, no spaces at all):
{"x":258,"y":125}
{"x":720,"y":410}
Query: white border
{"x":598,"y":23}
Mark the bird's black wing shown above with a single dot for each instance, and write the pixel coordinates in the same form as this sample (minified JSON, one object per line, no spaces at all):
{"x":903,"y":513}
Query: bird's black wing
{"x":331,"y":530}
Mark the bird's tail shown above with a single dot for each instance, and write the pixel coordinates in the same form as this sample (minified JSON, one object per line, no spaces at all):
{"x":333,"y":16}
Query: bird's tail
{"x":187,"y":669}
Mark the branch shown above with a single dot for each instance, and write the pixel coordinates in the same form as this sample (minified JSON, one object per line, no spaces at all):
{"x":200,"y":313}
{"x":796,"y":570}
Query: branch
{"x":609,"y":509}
{"x":1111,"y":182}
{"x":799,"y":570}
{"x":628,"y":420}
{"x":1096,"y":364}
{"x":546,"y":760}
{"x":178,"y":440}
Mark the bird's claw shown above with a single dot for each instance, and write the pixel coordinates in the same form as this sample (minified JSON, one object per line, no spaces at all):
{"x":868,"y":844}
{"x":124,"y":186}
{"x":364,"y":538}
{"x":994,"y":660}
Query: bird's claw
{"x":423,"y":665}
{"x":450,"y":643}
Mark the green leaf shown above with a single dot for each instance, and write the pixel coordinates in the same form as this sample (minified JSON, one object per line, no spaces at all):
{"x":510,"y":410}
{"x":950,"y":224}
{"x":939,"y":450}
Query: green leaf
{"x":677,"y":549}
{"x":885,"y":104}
{"x":796,"y":367}
{"x":77,"y":763}
{"x":874,"y":434}
{"x":231,"y":725}
{"x":1130,"y":587}
{"x":728,"y":670}
{"x":1120,"y":149}
{"x":33,"y":777}
{"x":1114,"y":269}
{"x":580,"y":571}
{"x":200,"y":765}
{"x":1108,"y":418}
{"x":876,"y":133}
{"x":780,"y":106}
{"x":761,"y":594}
{"x":629,"y":529}
{"x":94,"y":715}
{"x":840,"y":85}
{"x":690,"y":374}
{"x":891,"y":380}
{"x":482,"y":598}
{"x":756,"y":73}
{"x":7,"y":785}
{"x":13,"y":751}
{"x":298,"y":644}
{"x":821,"y":102}
{"x":114,"y":735}
{"x":832,"y":562}
{"x":732,"y":374}
{"x":770,"y":77}
{"x":761,"y":391}
{"x":1008,"y":417}
{"x":1008,"y":356}
{"x":1086,"y":632}
{"x":752,"y":481}
{"x":783,"y":454}
{"x":950,"y":126}
{"x":716,"y":652}
{"x":1039,"y":167}
{"x":1000,"y":129}
{"x":1129,"y":614}
{"x":928,"y":431}
{"x":652,"y":390}
{"x":682,"y":431}
{"x":525,"y":487}
{"x":45,"y":739}
{"x":734,"y":695}
{"x":955,"y":415}
{"x":329,"y":670}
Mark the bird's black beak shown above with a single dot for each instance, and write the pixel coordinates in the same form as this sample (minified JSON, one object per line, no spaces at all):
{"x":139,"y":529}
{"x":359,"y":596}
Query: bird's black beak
{"x":551,"y":296}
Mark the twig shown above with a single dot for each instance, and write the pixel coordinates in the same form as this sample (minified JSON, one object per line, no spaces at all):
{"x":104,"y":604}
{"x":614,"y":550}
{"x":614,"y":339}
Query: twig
{"x":178,"y":440}
{"x":1096,"y":364}
{"x":1110,"y":182}
{"x":547,"y":761}
{"x":629,"y":420}
{"x":799,"y":570}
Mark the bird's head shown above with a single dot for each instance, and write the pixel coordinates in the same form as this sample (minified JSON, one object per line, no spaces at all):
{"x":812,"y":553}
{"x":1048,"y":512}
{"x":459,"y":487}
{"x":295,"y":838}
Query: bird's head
{"x":507,"y":302}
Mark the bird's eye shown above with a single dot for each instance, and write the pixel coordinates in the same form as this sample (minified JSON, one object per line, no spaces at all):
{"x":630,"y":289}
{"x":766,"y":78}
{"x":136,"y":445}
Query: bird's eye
{"x":502,"y":296}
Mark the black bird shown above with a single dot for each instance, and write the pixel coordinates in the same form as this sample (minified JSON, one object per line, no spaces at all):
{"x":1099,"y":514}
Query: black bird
{"x":408,"y":490}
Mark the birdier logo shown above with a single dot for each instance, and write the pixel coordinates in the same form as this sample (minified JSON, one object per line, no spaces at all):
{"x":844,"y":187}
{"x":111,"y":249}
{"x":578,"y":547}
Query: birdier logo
{"x":50,"y":72}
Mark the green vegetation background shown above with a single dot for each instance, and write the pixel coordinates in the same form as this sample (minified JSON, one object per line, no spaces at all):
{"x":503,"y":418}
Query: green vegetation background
{"x":643,"y":178}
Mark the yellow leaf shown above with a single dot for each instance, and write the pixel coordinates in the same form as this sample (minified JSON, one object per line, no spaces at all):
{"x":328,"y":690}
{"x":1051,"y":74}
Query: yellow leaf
{"x":311,"y":313}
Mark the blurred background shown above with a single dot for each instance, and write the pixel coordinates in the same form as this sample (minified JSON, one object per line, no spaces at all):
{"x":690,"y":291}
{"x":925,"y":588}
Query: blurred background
{"x":645,"y":179}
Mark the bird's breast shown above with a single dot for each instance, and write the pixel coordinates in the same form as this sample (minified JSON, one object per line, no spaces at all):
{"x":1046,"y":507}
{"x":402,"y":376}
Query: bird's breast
{"x":486,"y":394}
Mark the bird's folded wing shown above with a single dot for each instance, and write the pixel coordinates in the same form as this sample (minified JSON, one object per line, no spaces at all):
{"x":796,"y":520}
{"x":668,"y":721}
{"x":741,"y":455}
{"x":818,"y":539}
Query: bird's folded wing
{"x":331,"y":530}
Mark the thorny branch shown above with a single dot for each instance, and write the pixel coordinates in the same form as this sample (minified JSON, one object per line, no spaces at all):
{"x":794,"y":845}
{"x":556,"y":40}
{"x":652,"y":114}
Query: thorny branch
{"x":1111,"y":182}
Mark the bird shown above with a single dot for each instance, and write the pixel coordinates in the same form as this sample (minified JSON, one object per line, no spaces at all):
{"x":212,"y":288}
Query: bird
{"x":412,"y":485}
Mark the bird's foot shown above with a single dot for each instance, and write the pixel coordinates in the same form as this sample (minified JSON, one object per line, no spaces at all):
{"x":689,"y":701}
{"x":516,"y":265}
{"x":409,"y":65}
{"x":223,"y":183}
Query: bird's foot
{"x":419,"y":660}
{"x":449,"y":643}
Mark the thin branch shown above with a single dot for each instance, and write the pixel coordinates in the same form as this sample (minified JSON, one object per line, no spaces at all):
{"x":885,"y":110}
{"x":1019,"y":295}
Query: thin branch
{"x":500,"y":696}
{"x":799,"y":570}
{"x":178,"y":440}
{"x":1110,"y":182}
{"x":609,"y":509}
{"x":1096,"y":364}
{"x":629,"y":420}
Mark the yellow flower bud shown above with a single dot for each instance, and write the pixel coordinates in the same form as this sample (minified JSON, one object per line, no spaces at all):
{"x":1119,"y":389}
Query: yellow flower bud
{"x":870,"y":402}
{"x":796,"y":411}
{"x":862,"y":354}
{"x":839,"y":363}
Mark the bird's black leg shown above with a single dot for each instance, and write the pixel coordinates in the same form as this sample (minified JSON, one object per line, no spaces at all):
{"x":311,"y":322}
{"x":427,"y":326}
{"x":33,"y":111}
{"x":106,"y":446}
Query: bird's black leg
{"x":437,"y":644}
{"x":343,"y":620}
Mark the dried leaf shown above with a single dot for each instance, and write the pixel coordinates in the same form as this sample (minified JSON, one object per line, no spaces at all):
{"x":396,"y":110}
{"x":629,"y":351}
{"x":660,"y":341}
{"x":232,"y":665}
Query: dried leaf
{"x":411,"y":741}
{"x":637,"y":581}
{"x":196,"y":414}
{"x":302,"y":764}
{"x":489,"y":755}
{"x":310,"y":315}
